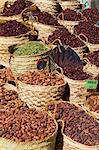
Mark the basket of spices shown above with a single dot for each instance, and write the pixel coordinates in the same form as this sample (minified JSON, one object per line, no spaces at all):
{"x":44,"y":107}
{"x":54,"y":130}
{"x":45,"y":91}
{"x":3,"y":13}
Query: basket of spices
{"x":13,"y":32}
{"x":39,"y":87}
{"x":64,"y":37}
{"x":68,"y":63}
{"x":29,"y":56}
{"x":13,"y":10}
{"x":71,"y":4}
{"x":78,"y":127}
{"x":89,"y":34}
{"x":92,"y":63}
{"x":70,"y":18}
{"x":27,"y":129}
{"x":70,"y":118}
{"x":44,"y":23}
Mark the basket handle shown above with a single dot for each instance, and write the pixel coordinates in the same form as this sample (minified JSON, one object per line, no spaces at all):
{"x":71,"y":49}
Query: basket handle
{"x":86,"y":39}
{"x":60,"y":15}
{"x":57,"y":40}
{"x":63,"y":124}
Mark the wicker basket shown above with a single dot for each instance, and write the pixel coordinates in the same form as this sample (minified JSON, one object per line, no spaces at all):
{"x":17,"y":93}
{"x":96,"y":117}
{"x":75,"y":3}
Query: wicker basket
{"x":70,"y":4}
{"x":68,"y":24}
{"x":7,"y":41}
{"x":92,"y":47}
{"x":38,"y":96}
{"x":49,"y":6}
{"x":46,"y":144}
{"x":91,"y":68}
{"x":4,"y":57}
{"x":43,"y":29}
{"x":77,"y":90}
{"x":21,"y":64}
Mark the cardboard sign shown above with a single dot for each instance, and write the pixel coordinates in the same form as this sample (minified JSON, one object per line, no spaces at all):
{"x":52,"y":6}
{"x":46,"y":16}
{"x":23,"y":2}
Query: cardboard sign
{"x":91,"y":84}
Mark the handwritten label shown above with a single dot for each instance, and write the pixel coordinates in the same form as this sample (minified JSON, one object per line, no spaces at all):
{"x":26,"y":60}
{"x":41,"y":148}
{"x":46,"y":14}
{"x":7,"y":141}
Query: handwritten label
{"x":91,"y":84}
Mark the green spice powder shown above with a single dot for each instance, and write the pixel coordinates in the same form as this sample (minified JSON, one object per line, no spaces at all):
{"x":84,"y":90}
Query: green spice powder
{"x":30,"y":48}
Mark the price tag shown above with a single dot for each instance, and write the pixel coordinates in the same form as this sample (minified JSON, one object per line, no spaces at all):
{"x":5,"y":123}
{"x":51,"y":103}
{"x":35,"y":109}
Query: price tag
{"x":91,"y":84}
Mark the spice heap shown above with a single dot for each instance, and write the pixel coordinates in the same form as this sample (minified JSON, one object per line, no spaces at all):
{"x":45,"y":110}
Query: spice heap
{"x":30,"y":48}
{"x":44,"y":78}
{"x":26,"y":125}
{"x":92,"y":15}
{"x":89,"y":30}
{"x":78,"y":125}
{"x":70,"y":15}
{"x":13,"y":28}
{"x":45,"y":18}
{"x":94,"y":58}
{"x":66,"y":38}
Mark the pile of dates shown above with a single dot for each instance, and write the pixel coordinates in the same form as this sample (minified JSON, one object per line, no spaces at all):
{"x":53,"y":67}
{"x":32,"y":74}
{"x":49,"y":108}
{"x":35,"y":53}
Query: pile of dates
{"x":89,"y":30}
{"x":70,"y":15}
{"x":93,"y":103}
{"x":44,"y":78}
{"x":92,"y":15}
{"x":2,"y":76}
{"x":25,"y":125}
{"x":94,"y":58}
{"x":7,"y":95}
{"x":13,"y":28}
{"x":45,"y":18}
{"x":66,"y":38}
{"x":78,"y":125}
{"x":16,"y":8}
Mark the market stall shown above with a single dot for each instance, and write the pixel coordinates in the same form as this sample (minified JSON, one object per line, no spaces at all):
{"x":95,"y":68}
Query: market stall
{"x":49,"y":75}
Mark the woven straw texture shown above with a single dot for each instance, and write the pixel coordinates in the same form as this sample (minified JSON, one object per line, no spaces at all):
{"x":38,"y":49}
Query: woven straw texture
{"x":47,"y":6}
{"x":91,"y":69}
{"x":70,"y":4}
{"x":68,"y":24}
{"x":77,"y":90}
{"x":47,"y":144}
{"x":44,"y":30}
{"x":4,"y":56}
{"x":69,"y":144}
{"x":39,"y":96}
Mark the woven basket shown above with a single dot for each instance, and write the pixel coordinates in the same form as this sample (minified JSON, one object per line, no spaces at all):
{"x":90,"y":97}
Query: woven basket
{"x":87,"y":107}
{"x":5,"y":42}
{"x":91,"y":68}
{"x":46,"y":144}
{"x":38,"y":96}
{"x":92,"y":47}
{"x":47,"y":6}
{"x":70,"y":4}
{"x":44,"y":30}
{"x":4,"y":57}
{"x":77,"y":90}
{"x":21,"y":64}
{"x":68,"y":24}
{"x":69,"y":144}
